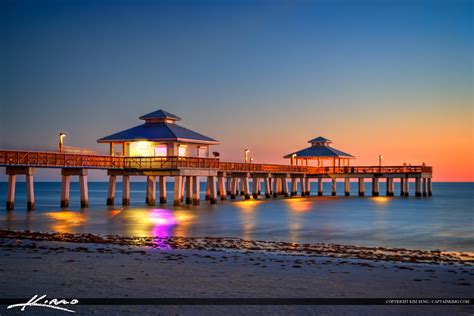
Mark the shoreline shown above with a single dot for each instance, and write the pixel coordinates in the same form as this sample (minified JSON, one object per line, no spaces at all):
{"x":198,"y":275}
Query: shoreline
{"x":229,"y":243}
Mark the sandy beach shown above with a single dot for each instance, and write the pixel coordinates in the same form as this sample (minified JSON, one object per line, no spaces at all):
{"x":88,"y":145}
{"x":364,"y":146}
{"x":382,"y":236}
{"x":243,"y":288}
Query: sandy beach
{"x":90,"y":266}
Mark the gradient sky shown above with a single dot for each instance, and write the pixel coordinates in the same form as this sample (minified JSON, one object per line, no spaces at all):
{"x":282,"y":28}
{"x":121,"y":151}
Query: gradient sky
{"x":376,"y":77}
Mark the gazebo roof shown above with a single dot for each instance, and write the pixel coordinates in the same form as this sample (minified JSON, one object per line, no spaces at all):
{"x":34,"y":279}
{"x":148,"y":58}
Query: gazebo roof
{"x":160,"y":114}
{"x":157,"y":129}
{"x":320,"y":149}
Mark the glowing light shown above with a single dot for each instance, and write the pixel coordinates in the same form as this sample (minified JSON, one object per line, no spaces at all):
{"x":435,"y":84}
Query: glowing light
{"x":381,"y":199}
{"x":299,"y":205}
{"x":141,"y":149}
{"x":182,"y":149}
{"x":65,"y":221}
{"x":161,"y":151}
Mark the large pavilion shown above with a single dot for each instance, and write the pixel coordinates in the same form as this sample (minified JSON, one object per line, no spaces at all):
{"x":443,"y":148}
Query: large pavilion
{"x":320,"y":151}
{"x":160,"y":136}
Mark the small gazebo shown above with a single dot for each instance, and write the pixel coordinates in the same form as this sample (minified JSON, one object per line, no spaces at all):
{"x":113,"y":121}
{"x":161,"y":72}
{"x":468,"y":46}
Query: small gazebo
{"x":320,"y":151}
{"x":160,"y":136}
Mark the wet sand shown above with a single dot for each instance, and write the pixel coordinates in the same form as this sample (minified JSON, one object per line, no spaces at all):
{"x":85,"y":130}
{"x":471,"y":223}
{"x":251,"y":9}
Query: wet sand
{"x":68,"y":265}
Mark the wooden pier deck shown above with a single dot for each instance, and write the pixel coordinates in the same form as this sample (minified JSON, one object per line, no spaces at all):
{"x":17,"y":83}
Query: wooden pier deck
{"x":232,"y":177}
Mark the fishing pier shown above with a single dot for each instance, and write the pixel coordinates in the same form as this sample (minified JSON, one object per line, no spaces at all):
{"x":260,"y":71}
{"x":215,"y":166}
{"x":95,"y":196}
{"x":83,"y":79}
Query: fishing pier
{"x":161,"y":150}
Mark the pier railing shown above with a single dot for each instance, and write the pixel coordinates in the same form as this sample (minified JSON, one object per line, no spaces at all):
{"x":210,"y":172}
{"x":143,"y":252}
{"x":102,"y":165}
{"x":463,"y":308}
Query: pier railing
{"x":66,"y":160}
{"x":170,"y":162}
{"x":58,"y":160}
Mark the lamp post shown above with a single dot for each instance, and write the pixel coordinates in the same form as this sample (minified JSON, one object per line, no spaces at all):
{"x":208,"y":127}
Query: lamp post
{"x":251,"y":159}
{"x":61,"y":141}
{"x":380,"y":161}
{"x":246,"y":155}
{"x":293,"y":157}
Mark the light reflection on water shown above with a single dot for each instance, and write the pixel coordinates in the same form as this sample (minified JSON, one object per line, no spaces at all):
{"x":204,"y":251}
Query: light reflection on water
{"x":445,"y":221}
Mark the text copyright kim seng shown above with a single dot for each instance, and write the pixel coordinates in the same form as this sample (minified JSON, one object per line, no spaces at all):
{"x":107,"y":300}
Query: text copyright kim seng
{"x":429,"y":301}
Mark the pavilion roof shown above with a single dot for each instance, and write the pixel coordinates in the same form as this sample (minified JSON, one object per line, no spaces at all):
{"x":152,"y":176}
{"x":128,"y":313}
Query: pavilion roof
{"x":159,"y":130}
{"x":320,"y":152}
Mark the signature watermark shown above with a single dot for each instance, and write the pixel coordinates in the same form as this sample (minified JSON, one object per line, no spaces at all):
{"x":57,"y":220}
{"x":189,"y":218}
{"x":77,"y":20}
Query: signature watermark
{"x":41,"y":301}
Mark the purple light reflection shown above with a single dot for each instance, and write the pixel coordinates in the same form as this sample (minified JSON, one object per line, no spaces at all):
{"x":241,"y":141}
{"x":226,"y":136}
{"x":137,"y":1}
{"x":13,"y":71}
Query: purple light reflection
{"x":163,"y":221}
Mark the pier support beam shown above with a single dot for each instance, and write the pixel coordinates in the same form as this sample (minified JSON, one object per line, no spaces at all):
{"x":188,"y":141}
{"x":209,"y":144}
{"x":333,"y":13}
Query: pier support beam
{"x":294,"y":187}
{"x":228,"y":185}
{"x":245,"y":184}
{"x":162,"y":189}
{"x":407,"y":187}
{"x":111,"y":190}
{"x":347,"y":186}
{"x":189,"y":189}
{"x":255,"y":187}
{"x":333,"y":187}
{"x":275,"y":187}
{"x":430,"y":187}
{"x":424,"y":187}
{"x":30,"y":193}
{"x":234,"y":188}
{"x":267,"y":187}
{"x":389,"y":189}
{"x":375,"y":186}
{"x":196,"y":190}
{"x":207,"y":197}
{"x":361,"y":187}
{"x":302,"y":187}
{"x":284,"y":185}
{"x":418,"y":187}
{"x":125,"y":190}
{"x":212,"y":189}
{"x":320,"y":186}
{"x":83,"y":189}
{"x":307,"y":185}
{"x":178,"y":182}
{"x":11,"y":192}
{"x":65,"y":188}
{"x":151,"y":190}
{"x":222,"y":188}
{"x":402,"y":186}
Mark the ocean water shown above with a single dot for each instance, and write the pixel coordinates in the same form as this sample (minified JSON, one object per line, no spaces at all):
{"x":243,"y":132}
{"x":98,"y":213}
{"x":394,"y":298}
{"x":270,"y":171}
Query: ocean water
{"x":444,"y":221}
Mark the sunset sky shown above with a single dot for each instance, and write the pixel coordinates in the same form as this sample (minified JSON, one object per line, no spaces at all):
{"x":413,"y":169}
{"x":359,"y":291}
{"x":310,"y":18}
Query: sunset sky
{"x":376,"y":77}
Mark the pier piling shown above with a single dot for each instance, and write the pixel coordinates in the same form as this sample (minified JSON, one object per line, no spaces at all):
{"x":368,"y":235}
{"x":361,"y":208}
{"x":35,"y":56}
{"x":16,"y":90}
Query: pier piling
{"x":111,"y":190}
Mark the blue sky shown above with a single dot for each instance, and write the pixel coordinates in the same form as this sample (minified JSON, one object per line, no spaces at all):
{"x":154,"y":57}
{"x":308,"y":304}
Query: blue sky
{"x":262,"y":74}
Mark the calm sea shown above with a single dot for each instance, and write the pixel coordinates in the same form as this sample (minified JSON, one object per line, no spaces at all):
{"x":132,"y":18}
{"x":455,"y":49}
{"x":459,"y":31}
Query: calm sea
{"x":444,"y":221}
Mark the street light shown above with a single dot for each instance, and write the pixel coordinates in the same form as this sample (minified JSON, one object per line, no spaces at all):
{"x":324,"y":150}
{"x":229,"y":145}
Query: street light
{"x":246,"y":155}
{"x":61,"y":141}
{"x":251,"y":159}
{"x":380,"y":161}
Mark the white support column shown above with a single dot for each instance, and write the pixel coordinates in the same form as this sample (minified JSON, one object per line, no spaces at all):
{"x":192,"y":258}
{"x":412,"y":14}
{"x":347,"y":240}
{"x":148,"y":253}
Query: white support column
{"x":213,"y":190}
{"x":375,"y":186}
{"x":302,"y":187}
{"x":65,"y":188}
{"x":255,"y":187}
{"x":222,"y":188}
{"x":196,"y":190}
{"x":418,"y":187}
{"x":208,"y":189}
{"x":125,"y":190}
{"x":11,"y":192}
{"x":245,"y":181}
{"x":407,"y":186}
{"x":183,"y":186}
{"x":320,"y":186}
{"x":389,"y":190}
{"x":234,"y":188}
{"x":284,"y":185}
{"x":111,"y":190}
{"x":347,"y":186}
{"x":424,"y":187}
{"x":307,"y":185}
{"x":30,"y":192}
{"x":333,"y":186}
{"x":294,"y":186}
{"x":361,"y":187}
{"x":151,"y":189}
{"x":177,"y":190}
{"x":162,"y":189}
{"x":430,"y":187}
{"x":84,"y":191}
{"x":267,"y":187}
{"x":189,"y":189}
{"x":275,"y":187}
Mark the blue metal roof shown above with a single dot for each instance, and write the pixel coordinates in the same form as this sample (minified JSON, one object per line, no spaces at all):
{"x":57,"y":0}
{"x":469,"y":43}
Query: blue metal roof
{"x":160,"y":114}
{"x":320,"y":151}
{"x":158,"y":132}
{"x":320,"y":139}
